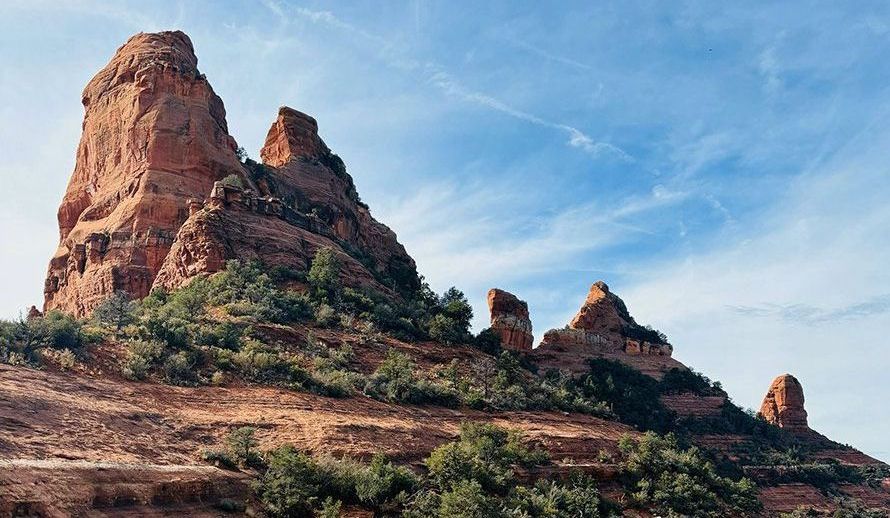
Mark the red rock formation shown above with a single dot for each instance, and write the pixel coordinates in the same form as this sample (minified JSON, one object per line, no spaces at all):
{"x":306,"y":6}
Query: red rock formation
{"x":599,"y":313}
{"x":307,"y":176}
{"x":155,"y":144}
{"x":154,"y":135}
{"x":603,"y":328}
{"x":783,"y":404}
{"x":304,"y":200}
{"x":509,"y":317}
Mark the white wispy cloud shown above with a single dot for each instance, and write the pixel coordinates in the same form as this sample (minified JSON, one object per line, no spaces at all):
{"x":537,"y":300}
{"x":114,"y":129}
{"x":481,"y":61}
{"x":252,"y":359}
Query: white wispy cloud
{"x":736,"y":308}
{"x":398,"y":57}
{"x":550,"y":56}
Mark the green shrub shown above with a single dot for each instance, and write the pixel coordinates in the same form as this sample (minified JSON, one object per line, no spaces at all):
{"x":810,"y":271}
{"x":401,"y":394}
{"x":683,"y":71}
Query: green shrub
{"x":575,"y":498}
{"x":396,"y":380}
{"x":116,"y":311}
{"x":661,"y":476}
{"x":221,"y":459}
{"x":233,"y":180}
{"x":330,"y":508}
{"x":179,"y":369}
{"x":489,"y":341}
{"x":291,"y":485}
{"x":466,"y":499}
{"x":631,"y":395}
{"x":242,"y":443}
{"x":57,"y":330}
{"x":257,"y":362}
{"x":324,"y":275}
{"x":446,"y":330}
{"x":142,"y":355}
{"x":326,"y":316}
{"x":485,"y":454}
{"x":679,"y":380}
{"x":67,"y":359}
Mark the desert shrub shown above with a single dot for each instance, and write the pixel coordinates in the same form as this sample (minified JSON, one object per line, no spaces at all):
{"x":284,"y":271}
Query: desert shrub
{"x":242,"y":443}
{"x":221,"y":459}
{"x":396,"y":380}
{"x":245,"y":289}
{"x":335,"y":382}
{"x":824,"y":475}
{"x":466,"y":499}
{"x":370,"y":484}
{"x":325,"y":315}
{"x":446,"y":330}
{"x":631,"y":395}
{"x":687,"y":380}
{"x":324,"y":275}
{"x":291,"y":485}
{"x":489,"y":341}
{"x":18,"y":345}
{"x":262,"y":364}
{"x":141,"y":356}
{"x":233,"y":180}
{"x":295,"y":483}
{"x":473,"y":477}
{"x":57,"y":330}
{"x":845,"y":508}
{"x":226,"y":335}
{"x":578,"y":496}
{"x":330,"y":508}
{"x":116,"y":311}
{"x":179,"y":369}
{"x":485,"y":454}
{"x":659,"y":475}
{"x":67,"y":359}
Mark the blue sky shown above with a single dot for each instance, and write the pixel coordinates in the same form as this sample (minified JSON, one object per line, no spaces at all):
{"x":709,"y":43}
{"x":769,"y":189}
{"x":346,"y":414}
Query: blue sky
{"x":724,"y":168}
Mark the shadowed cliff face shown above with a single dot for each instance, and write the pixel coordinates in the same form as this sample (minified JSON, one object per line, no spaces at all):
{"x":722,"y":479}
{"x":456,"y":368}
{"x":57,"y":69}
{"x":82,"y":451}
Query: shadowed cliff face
{"x":154,"y":143}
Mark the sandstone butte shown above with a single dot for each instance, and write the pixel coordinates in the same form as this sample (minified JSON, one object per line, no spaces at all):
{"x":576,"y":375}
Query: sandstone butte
{"x":509,"y":317}
{"x":160,"y":194}
{"x":144,"y":208}
{"x":783,"y":404}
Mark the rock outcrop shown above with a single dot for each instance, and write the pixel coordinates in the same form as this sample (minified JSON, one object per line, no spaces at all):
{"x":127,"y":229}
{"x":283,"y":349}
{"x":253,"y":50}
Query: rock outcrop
{"x":509,"y":318}
{"x":299,"y":200}
{"x":604,"y":321}
{"x":146,"y":206}
{"x":603,"y":328}
{"x":783,"y":404}
{"x":154,"y":136}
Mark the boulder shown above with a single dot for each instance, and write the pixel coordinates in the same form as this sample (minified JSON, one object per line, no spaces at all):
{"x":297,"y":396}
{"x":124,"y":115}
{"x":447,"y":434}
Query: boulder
{"x":509,"y":318}
{"x":783,"y":404}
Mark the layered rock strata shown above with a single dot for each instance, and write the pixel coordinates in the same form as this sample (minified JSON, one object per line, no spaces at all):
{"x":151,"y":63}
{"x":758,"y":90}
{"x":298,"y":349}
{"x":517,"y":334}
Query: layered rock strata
{"x":509,"y":318}
{"x":159,"y":193}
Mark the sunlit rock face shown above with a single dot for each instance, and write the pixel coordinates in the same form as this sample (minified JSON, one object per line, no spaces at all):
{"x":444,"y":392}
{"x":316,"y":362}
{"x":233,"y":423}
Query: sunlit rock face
{"x":509,"y":318}
{"x":154,"y":136}
{"x":159,"y":193}
{"x":783,"y":404}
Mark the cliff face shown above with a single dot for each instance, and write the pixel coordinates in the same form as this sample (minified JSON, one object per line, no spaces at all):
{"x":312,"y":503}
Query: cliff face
{"x":154,"y":145}
{"x":154,"y":135}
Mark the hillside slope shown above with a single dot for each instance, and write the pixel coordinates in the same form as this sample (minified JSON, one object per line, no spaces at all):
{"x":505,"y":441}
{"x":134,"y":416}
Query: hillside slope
{"x":227,"y":336}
